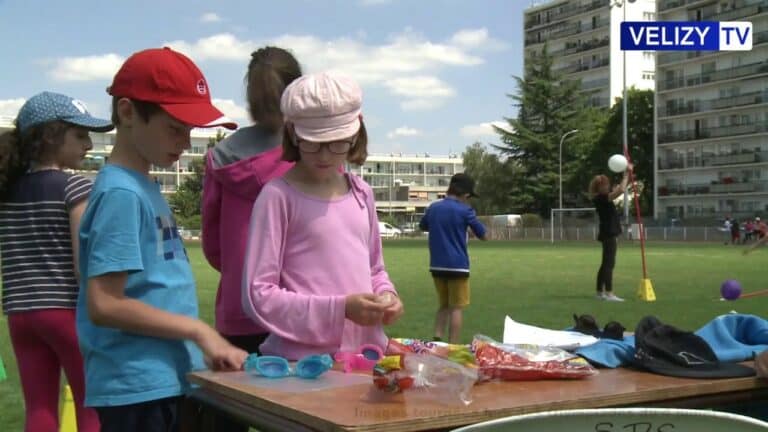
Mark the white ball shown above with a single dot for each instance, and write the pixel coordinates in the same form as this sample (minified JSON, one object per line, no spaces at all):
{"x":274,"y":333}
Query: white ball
{"x":617,"y":163}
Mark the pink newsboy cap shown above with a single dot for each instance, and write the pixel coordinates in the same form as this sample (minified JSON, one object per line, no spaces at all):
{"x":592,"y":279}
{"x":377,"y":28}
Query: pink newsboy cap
{"x":323,"y":107}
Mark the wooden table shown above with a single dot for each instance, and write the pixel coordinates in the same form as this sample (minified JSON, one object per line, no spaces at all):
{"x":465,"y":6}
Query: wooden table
{"x":346,"y":408}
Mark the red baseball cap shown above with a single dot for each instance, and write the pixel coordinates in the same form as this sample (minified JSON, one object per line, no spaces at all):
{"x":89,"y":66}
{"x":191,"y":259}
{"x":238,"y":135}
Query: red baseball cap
{"x":172,"y":81}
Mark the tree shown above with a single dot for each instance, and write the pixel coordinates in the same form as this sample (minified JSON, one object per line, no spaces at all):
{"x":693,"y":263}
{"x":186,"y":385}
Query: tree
{"x":493,"y":178}
{"x":186,"y":201}
{"x":548,"y":107}
{"x":640,"y":143}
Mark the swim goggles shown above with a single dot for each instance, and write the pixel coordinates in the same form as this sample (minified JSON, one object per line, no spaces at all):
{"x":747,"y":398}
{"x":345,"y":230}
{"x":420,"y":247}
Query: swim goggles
{"x":309,"y":367}
{"x":364,"y":359}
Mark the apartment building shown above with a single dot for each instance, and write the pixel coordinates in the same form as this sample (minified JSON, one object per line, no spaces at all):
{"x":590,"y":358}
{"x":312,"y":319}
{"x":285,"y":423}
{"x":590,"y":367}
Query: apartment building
{"x":583,"y":38}
{"x":712,"y":119}
{"x":404,"y":185}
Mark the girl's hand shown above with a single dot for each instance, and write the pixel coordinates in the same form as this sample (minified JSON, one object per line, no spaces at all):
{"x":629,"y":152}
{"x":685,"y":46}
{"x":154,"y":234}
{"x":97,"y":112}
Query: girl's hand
{"x":219,"y":354}
{"x":364,"y":309}
{"x":761,"y":364}
{"x":394,"y":309}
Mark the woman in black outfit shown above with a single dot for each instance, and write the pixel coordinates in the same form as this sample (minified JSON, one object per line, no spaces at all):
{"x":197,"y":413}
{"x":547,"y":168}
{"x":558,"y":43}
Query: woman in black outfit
{"x":610,"y":228}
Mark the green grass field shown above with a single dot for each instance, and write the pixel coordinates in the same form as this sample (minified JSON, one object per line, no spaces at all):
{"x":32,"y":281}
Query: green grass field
{"x":534,"y":283}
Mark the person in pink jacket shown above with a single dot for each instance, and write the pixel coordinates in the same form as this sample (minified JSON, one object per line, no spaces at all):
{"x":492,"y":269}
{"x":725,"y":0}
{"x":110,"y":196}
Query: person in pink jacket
{"x":236,"y":170}
{"x":314,"y":271}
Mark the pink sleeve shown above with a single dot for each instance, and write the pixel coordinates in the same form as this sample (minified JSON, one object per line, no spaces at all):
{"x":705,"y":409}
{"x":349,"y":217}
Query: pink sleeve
{"x":379,"y":277}
{"x":290,"y":315}
{"x":211,"y":215}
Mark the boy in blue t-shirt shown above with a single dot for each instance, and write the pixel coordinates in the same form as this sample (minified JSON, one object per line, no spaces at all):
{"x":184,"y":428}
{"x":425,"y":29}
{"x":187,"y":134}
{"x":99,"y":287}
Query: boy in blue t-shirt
{"x":447,"y":221}
{"x":137,"y":317}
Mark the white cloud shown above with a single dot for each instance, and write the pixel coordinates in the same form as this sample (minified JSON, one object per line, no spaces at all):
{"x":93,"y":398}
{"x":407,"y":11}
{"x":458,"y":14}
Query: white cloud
{"x":88,"y":68}
{"x":483,"y":129}
{"x":210,"y":17}
{"x":231,"y":109}
{"x":407,"y":64}
{"x":403,"y":131}
{"x":223,"y":46}
{"x":11,"y":107}
{"x":420,"y":92}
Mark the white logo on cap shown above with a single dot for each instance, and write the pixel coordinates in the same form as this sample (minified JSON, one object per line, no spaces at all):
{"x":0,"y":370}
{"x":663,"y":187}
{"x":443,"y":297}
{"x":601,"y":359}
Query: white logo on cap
{"x":80,"y":106}
{"x":201,"y":88}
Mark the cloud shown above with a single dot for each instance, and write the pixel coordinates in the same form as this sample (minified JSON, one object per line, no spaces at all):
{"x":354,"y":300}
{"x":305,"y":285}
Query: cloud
{"x":223,"y":46}
{"x":210,"y":17}
{"x":483,"y":129}
{"x":407,"y":64}
{"x":11,"y":107}
{"x":420,"y":92}
{"x":232,"y":110}
{"x":403,"y":131}
{"x":89,"y":68}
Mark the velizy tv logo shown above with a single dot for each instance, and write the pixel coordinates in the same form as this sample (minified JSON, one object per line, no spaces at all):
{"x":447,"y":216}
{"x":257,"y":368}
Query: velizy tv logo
{"x":686,"y":36}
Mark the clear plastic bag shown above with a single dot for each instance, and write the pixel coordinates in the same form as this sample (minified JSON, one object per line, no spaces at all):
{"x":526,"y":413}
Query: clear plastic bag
{"x":425,"y":375}
{"x":509,"y":362}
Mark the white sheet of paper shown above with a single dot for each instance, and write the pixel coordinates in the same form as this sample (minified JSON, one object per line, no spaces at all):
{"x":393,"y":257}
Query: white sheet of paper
{"x":517,"y":333}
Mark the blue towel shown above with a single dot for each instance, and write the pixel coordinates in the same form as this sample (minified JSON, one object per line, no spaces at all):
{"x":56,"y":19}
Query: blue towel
{"x":733,"y":338}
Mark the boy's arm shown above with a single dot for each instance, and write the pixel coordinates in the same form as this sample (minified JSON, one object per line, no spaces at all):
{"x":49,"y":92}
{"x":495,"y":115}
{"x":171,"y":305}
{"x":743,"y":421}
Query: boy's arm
{"x":211,"y":215}
{"x":474,"y":223}
{"x":423,"y":224}
{"x":109,"y":307}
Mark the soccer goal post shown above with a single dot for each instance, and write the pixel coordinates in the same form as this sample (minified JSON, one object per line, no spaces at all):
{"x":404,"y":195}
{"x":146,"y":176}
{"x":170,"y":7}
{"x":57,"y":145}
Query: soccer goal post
{"x":572,"y":223}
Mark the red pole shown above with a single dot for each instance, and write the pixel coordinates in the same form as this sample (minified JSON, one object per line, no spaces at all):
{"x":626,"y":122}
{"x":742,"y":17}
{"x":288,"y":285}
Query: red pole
{"x":639,"y":217}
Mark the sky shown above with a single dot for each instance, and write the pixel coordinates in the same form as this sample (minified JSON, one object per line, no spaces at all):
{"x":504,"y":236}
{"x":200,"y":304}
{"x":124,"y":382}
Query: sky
{"x":435,"y":73}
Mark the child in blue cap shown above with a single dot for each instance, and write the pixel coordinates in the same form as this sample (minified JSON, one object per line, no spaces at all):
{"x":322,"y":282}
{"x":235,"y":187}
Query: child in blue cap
{"x":40,"y":210}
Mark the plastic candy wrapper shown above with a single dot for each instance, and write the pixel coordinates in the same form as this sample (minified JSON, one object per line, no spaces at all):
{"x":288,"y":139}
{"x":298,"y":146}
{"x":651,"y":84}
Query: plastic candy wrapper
{"x":425,"y":376}
{"x":509,"y":362}
{"x":460,"y":354}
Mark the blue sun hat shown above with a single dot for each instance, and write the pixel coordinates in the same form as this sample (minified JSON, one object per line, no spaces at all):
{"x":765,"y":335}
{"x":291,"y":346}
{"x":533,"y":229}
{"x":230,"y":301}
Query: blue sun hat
{"x":48,"y":106}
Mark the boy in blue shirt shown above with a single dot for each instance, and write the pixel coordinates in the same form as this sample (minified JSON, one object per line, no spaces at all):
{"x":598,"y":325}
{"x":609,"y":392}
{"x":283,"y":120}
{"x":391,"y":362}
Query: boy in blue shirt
{"x":137,"y":316}
{"x":447,"y":221}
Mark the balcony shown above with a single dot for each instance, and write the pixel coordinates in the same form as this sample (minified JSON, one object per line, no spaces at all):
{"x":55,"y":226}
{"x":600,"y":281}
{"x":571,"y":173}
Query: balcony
{"x":587,"y":46}
{"x":594,"y":84}
{"x":713,"y":132}
{"x":695,"y":106}
{"x":663,"y":58}
{"x":581,"y":67}
{"x":568,"y":30}
{"x":741,"y":12}
{"x":671,"y":4}
{"x":715,"y":160}
{"x":725,"y":185}
{"x":720,"y":75}
{"x":567,"y":12}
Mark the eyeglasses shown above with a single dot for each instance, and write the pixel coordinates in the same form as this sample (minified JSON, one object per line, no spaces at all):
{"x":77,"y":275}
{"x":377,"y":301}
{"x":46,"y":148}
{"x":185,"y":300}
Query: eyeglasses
{"x":365,"y":358}
{"x":335,"y":147}
{"x":309,"y":367}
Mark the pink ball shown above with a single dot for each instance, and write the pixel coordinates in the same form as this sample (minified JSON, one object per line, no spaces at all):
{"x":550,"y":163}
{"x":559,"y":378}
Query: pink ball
{"x":730,"y":289}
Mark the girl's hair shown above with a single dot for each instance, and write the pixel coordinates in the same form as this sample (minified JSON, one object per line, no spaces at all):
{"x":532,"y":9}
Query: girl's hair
{"x":597,"y":183}
{"x":356,"y":155}
{"x":18,"y":151}
{"x":270,"y":71}
{"x":144,"y":109}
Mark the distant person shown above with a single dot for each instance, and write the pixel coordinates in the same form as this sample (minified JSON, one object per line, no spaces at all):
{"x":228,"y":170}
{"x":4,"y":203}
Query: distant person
{"x":314,"y":273}
{"x":137,"y":311}
{"x":40,"y":210}
{"x":726,"y":229}
{"x":610,"y":229}
{"x":735,"y":232}
{"x":749,"y":229}
{"x":447,"y":221}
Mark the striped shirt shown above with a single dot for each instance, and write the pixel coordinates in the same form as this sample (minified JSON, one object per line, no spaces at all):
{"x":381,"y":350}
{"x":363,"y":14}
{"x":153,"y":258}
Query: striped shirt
{"x":36,"y":242}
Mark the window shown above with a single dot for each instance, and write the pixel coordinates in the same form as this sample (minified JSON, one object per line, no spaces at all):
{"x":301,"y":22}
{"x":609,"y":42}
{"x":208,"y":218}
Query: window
{"x":649,"y":16}
{"x":649,"y":75}
{"x":647,"y":55}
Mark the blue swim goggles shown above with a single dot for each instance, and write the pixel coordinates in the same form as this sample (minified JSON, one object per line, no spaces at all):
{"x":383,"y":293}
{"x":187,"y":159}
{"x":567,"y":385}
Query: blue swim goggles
{"x":309,"y":367}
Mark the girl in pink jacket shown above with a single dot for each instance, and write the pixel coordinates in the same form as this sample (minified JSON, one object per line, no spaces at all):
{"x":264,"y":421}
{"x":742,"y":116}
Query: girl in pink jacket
{"x":314,"y":273}
{"x":236,"y":170}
